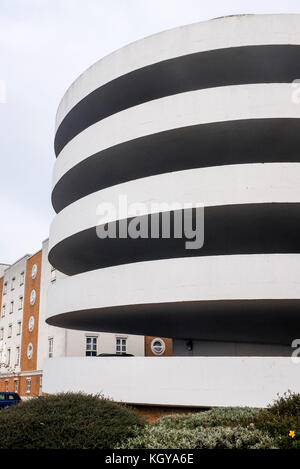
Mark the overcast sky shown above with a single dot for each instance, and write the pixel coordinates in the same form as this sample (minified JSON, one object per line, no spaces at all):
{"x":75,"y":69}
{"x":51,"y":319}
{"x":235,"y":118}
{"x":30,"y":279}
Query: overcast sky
{"x":44,"y":46}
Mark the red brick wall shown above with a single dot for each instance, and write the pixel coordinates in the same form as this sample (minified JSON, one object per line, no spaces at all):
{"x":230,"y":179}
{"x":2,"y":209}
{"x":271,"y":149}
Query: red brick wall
{"x":31,"y":310}
{"x":22,"y":387}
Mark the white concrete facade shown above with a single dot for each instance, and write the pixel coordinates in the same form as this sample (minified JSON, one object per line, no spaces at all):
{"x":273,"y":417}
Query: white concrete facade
{"x":179,"y":381}
{"x":72,"y":343}
{"x":224,"y":134}
{"x":244,"y":184}
{"x":11,"y":319}
{"x":220,"y":33}
{"x":226,"y":103}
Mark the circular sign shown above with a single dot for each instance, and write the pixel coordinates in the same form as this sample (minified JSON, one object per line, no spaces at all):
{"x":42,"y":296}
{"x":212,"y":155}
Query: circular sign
{"x":158,"y":346}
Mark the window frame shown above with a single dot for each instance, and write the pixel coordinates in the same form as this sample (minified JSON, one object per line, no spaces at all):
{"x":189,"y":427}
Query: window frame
{"x":22,"y":278}
{"x":93,"y":350}
{"x":120,"y":345}
{"x":16,"y":382}
{"x":8,"y":356}
{"x":28,"y":388}
{"x":50,"y":347}
{"x":18,"y":355}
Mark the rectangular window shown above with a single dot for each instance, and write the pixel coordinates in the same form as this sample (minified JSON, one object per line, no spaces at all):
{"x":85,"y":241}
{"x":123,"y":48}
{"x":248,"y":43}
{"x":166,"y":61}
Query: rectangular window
{"x":13,"y":281}
{"x":6,"y":385}
{"x":5,"y":288}
{"x":3,"y":310}
{"x":9,"y":330}
{"x":121,"y":346}
{"x":91,"y":347}
{"x":17,"y":356}
{"x":28,"y":385}
{"x":16,"y":385}
{"x":53,"y":274}
{"x":1,"y":333}
{"x":11,"y":307}
{"x":50,"y":348}
{"x":19,"y":328}
{"x":21,"y":302}
{"x":22,"y":276}
{"x":8,"y":356}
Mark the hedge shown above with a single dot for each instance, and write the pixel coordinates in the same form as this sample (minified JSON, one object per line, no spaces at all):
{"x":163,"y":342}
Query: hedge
{"x":67,"y":421}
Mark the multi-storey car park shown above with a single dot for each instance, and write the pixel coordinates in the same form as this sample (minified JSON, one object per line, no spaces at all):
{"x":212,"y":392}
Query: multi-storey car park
{"x":206,"y":113}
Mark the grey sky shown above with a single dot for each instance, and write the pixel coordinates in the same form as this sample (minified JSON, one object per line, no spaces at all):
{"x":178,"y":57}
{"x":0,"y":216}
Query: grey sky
{"x":44,"y":46}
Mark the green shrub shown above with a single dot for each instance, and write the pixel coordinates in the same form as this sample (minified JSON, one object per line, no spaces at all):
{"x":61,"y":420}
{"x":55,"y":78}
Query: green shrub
{"x":281,"y":418}
{"x":217,"y":417}
{"x":160,"y":437}
{"x":287,"y":405}
{"x":72,"y":421}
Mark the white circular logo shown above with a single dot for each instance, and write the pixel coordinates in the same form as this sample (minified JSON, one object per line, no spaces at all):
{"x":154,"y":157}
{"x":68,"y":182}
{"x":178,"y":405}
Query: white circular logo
{"x":31,"y":323}
{"x":34,"y":271}
{"x":29,"y":350}
{"x":158,"y":346}
{"x":32,"y":297}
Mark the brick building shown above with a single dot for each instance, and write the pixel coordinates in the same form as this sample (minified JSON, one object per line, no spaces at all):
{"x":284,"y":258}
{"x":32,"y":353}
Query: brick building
{"x":26,"y":340}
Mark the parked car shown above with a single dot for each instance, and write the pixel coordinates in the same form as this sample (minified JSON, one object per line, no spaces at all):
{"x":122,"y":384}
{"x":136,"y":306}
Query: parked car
{"x":115,"y":355}
{"x":7,"y":399}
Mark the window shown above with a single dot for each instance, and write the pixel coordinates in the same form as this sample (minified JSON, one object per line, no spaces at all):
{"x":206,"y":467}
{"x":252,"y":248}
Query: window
{"x":34,"y":271}
{"x":8,"y":356}
{"x":158,"y":346}
{"x":17,"y":356}
{"x":50,"y":347}
{"x":13,"y":281}
{"x":6,"y":385}
{"x":53,"y":274}
{"x":31,"y":324}
{"x":9,"y":330}
{"x":11,"y":307}
{"x":19,"y":328}
{"x":3,"y":310}
{"x":91,"y":347}
{"x":22,"y":276}
{"x":21,"y":302}
{"x":16,"y":385}
{"x":5,"y":288}
{"x":28,"y":385}
{"x":1,"y":333}
{"x":121,"y":346}
{"x":29,"y":351}
{"x":32,"y":297}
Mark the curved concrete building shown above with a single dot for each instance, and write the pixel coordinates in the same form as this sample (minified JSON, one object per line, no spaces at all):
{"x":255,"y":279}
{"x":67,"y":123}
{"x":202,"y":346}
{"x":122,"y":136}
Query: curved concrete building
{"x":204,"y":114}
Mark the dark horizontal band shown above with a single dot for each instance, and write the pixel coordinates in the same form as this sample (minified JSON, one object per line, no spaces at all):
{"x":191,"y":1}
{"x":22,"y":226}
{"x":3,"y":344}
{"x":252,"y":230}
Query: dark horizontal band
{"x":222,"y":67}
{"x":258,"y":321}
{"x":216,"y":144}
{"x":232,"y":229}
